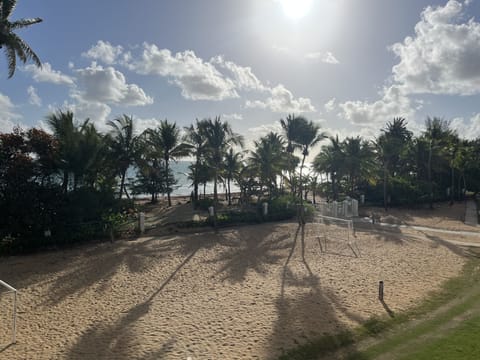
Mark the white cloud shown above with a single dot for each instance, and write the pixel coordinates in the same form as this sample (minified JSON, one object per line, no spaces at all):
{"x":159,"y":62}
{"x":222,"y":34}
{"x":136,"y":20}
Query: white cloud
{"x":140,"y":125}
{"x":33,"y":97}
{"x":104,"y":51}
{"x":8,"y":118}
{"x":443,"y":56}
{"x":330,"y":105}
{"x":467,"y":129}
{"x":232,"y":117}
{"x":282,"y":100}
{"x":243,"y":77}
{"x":108,"y":85}
{"x":325,"y":57}
{"x":394,"y":103}
{"x":97,"y":112}
{"x":217,"y":79}
{"x":47,"y":74}
{"x":199,"y":80}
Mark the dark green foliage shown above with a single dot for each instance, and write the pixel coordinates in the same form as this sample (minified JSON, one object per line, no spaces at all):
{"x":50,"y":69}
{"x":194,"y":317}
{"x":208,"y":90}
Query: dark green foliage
{"x":36,"y":209}
{"x":13,"y":45}
{"x":282,"y":207}
{"x":204,"y":204}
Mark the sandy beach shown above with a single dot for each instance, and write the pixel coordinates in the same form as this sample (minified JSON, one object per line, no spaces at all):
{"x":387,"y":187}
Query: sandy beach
{"x":249,"y":292}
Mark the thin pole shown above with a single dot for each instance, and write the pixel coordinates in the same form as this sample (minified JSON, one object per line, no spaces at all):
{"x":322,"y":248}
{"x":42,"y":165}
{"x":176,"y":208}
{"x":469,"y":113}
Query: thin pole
{"x":15,"y":317}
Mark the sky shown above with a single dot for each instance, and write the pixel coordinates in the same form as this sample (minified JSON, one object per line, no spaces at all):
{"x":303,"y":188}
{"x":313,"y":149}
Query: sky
{"x":348,"y":65}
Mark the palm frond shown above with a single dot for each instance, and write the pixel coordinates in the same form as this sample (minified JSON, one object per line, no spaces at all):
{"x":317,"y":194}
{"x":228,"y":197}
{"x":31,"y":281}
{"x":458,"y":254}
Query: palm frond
{"x":12,"y":61}
{"x":7,"y":6}
{"x":19,"y":24}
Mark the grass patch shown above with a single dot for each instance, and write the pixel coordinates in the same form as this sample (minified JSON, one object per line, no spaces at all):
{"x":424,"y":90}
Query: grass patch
{"x":457,"y":296}
{"x":459,"y":343}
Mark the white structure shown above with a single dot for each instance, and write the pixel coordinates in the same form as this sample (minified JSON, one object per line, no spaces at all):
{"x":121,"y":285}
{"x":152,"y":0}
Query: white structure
{"x":335,"y":229}
{"x":12,"y":290}
{"x":344,"y":209}
{"x":141,"y":222}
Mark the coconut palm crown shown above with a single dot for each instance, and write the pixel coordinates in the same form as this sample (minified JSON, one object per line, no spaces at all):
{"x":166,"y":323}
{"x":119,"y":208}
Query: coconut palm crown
{"x":13,"y":45}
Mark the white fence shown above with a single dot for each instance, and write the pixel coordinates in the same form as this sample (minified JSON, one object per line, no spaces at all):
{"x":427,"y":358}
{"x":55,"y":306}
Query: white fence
{"x":343,"y":209}
{"x":11,"y":289}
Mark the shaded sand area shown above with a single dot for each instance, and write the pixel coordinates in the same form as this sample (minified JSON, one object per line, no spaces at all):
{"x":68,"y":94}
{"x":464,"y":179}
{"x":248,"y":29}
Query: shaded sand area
{"x":443,"y":216}
{"x":245,"y":293}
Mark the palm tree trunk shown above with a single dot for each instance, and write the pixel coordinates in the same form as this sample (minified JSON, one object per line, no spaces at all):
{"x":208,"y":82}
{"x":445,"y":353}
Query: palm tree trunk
{"x":215,"y":201}
{"x":195,"y":182}
{"x":75,"y":181}
{"x":385,"y":180}
{"x":300,"y":186}
{"x":334,"y":185}
{"x":167,"y":182}
{"x":430,"y":184}
{"x":452,"y":187}
{"x":65,"y":182}
{"x":229,"y":193}
{"x":122,"y":183}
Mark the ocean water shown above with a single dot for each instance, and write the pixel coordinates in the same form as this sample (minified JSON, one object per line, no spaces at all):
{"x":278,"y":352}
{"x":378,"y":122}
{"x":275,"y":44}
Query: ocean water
{"x":184,"y":186}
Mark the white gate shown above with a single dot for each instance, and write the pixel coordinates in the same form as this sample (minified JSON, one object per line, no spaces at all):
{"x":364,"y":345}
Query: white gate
{"x":344,"y":209}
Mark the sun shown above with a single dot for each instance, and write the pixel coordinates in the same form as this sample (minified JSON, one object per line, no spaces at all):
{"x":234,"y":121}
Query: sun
{"x":296,"y":9}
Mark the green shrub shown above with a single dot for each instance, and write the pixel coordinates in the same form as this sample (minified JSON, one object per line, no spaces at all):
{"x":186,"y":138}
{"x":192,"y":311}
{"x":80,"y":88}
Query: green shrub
{"x":204,"y":204}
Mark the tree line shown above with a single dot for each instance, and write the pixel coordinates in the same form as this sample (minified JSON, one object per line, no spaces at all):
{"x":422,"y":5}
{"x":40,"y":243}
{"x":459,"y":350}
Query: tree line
{"x":73,"y":179}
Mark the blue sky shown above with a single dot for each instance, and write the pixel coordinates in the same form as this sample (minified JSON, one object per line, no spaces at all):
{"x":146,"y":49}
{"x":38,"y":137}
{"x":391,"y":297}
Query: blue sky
{"x":349,"y":65}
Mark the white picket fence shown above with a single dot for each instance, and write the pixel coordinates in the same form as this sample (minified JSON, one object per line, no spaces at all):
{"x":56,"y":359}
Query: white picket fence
{"x":347,"y":208}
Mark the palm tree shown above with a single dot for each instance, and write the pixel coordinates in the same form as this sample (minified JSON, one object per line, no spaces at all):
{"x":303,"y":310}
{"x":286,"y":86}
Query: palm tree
{"x":219,"y":137}
{"x":331,"y":160}
{"x":231,"y":169}
{"x":65,"y":132}
{"x":358,"y":157}
{"x":13,"y":44}
{"x":122,"y":142}
{"x":166,"y":138}
{"x":438,"y":135}
{"x":390,"y":145}
{"x":194,"y":137}
{"x":91,"y":157}
{"x":290,"y":127}
{"x":304,"y":135}
{"x":307,"y":136}
{"x":268,"y":160}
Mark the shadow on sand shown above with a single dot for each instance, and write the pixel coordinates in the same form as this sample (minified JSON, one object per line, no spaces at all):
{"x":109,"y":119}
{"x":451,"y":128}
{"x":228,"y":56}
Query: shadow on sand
{"x":116,"y":340}
{"x":306,"y":311}
{"x":245,"y":252}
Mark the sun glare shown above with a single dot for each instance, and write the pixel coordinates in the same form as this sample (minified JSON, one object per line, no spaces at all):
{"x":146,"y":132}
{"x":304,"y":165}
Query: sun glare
{"x":296,"y":9}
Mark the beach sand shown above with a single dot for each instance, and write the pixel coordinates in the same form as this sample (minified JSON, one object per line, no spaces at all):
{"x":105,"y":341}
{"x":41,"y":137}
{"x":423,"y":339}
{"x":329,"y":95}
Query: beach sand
{"x":245,"y":293}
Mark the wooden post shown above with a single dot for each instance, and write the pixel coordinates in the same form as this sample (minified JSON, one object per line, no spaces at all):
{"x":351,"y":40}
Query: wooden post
{"x":380,"y":291}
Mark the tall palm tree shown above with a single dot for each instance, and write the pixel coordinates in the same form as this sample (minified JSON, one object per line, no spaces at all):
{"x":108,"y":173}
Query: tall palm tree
{"x":290,"y":127}
{"x":231,"y":169}
{"x":122,"y":142}
{"x":166,"y":138}
{"x":307,"y":136}
{"x":438,"y":134}
{"x":66,"y":133}
{"x":331,"y":160}
{"x":269,"y":160}
{"x":13,"y":44}
{"x":91,"y":158}
{"x":393,"y":141}
{"x":219,"y":137}
{"x":194,"y":137}
{"x":358,"y":155}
